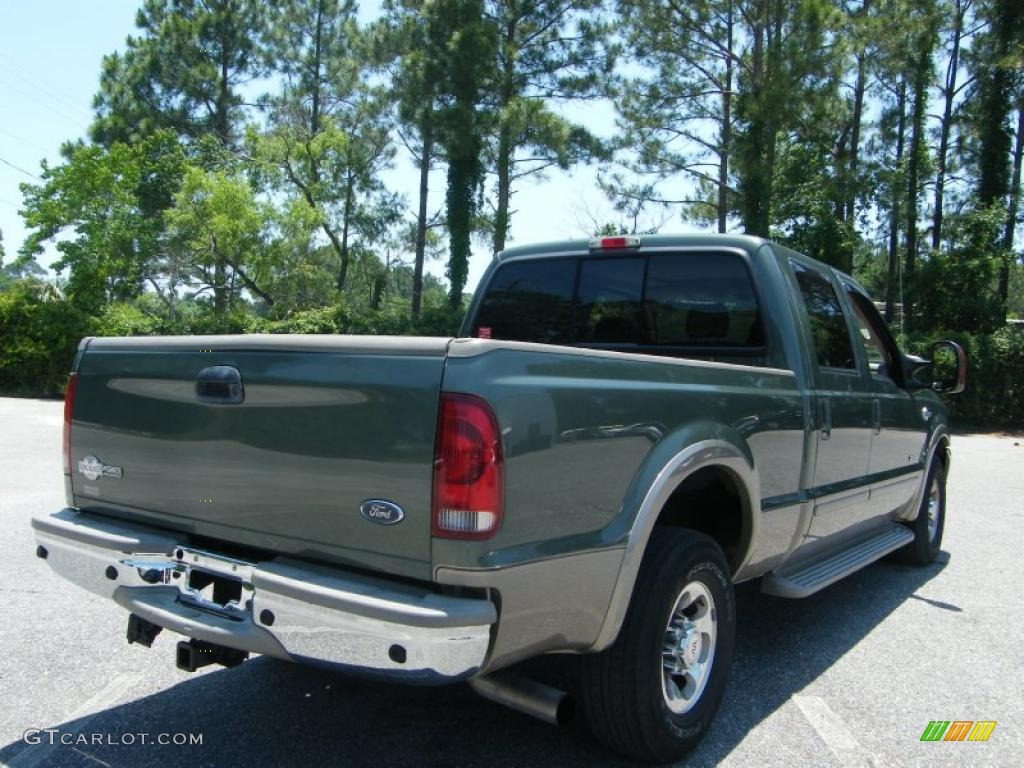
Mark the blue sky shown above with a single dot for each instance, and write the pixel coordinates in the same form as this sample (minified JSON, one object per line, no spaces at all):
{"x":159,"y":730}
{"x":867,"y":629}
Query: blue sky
{"x":50,"y":55}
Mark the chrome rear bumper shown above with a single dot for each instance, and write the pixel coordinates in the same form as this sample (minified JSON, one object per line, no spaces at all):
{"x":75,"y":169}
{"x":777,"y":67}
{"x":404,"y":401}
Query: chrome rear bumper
{"x":288,"y":609}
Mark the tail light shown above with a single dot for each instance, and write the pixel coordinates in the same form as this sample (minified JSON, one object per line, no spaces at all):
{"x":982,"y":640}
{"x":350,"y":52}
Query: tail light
{"x":69,"y":406}
{"x":468,"y":470}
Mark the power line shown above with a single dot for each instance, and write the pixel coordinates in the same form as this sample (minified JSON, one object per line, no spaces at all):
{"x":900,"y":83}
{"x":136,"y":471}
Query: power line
{"x":28,"y":75}
{"x":22,"y":138}
{"x":43,"y":91}
{"x":22,"y":170}
{"x":41,"y":103}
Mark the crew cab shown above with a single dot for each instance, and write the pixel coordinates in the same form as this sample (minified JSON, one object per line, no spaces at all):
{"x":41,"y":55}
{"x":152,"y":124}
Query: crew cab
{"x":624,"y":429}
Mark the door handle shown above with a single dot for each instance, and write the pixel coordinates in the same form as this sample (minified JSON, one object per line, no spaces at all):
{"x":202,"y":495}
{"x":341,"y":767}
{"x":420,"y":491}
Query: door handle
{"x":220,"y":384}
{"x":876,"y":416}
{"x":825,"y":420}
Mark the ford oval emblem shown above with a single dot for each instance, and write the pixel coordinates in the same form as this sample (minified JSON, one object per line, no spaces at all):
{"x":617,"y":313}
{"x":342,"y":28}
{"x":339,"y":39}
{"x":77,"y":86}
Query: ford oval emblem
{"x":381,"y":511}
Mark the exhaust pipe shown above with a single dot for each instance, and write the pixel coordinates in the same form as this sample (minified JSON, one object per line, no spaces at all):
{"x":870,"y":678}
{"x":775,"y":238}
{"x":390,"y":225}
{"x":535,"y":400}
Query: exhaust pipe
{"x":193,"y":654}
{"x":527,"y":696}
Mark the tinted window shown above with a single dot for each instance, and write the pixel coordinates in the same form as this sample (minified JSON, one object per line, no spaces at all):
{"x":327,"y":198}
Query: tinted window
{"x":878,"y":345}
{"x":665,"y":300}
{"x":872,"y":345}
{"x":609,"y":301}
{"x":828,"y":326}
{"x":702,"y":299}
{"x":529,"y":301}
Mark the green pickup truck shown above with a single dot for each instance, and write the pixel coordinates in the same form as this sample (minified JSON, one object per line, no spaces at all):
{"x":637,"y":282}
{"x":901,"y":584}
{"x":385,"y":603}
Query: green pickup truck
{"x":624,"y":429}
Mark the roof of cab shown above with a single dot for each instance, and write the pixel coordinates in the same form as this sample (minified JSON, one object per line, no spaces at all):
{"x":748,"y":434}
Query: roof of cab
{"x":582,"y":245}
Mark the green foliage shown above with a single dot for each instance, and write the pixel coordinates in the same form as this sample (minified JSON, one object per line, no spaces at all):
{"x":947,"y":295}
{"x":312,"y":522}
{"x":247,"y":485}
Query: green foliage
{"x":545,"y":52}
{"x":216,"y":229}
{"x":327,"y":140}
{"x":39,"y":333}
{"x":1015,"y":305}
{"x":999,"y":55}
{"x":183,"y":72}
{"x":994,"y":397}
{"x":956,"y":288}
{"x":104,"y":210}
{"x":852,"y":131}
{"x":439,"y":320}
{"x":124,"y":319}
{"x":465,"y":41}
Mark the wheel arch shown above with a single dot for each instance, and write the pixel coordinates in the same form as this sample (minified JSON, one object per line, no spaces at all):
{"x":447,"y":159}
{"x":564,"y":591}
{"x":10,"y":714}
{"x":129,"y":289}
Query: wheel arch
{"x":723,"y":459}
{"x":938,"y":446}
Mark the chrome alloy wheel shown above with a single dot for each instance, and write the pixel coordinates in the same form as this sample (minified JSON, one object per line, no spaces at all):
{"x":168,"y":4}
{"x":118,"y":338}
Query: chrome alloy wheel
{"x":934,"y":500}
{"x":688,"y":650}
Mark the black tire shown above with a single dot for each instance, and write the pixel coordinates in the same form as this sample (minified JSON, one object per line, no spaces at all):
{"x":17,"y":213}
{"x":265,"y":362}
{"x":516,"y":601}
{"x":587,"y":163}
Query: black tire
{"x":622,"y":689}
{"x":925,"y":546}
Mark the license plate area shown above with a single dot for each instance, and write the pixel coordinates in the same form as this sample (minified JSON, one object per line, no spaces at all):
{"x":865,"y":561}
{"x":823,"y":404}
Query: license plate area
{"x":214,"y":582}
{"x":212,"y":589}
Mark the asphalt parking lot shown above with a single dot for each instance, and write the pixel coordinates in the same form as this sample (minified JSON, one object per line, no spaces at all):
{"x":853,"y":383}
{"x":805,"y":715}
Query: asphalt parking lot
{"x":848,"y":677}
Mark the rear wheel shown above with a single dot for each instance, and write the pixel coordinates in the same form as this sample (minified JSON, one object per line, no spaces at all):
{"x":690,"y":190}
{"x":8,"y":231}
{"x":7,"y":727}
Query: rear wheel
{"x":930,"y":522}
{"x":652,"y":695}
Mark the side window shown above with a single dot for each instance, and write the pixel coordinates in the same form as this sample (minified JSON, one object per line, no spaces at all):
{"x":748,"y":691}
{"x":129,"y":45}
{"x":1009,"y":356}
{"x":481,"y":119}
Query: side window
{"x":529,"y":301}
{"x":702,"y":300}
{"x":828,"y":326}
{"x":873,"y":335}
{"x":609,"y":301}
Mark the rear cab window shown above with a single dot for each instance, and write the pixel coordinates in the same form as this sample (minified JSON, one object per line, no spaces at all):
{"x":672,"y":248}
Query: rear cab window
{"x":685,"y":304}
{"x":529,"y":301}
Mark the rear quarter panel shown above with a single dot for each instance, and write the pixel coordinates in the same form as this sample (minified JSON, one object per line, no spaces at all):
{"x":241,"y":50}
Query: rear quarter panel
{"x":586,"y":432}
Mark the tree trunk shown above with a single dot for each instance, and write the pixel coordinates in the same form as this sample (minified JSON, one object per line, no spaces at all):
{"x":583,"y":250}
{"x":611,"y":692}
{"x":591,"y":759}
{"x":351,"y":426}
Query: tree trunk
{"x":220,"y":279}
{"x":377,"y":293}
{"x":858,"y":116}
{"x":949,"y":94}
{"x":726,"y":138}
{"x":506,"y":147}
{"x":755,"y":184}
{"x":921,"y":78}
{"x":994,"y":97}
{"x":858,"y":112}
{"x":222,"y":106}
{"x":1012,"y":208}
{"x":343,"y":252}
{"x":945,"y":126}
{"x":504,"y":168}
{"x":314,"y":117}
{"x":894,"y":213}
{"x":426,"y":153}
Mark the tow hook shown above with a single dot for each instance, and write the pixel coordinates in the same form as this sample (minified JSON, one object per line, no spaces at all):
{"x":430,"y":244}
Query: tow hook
{"x":193,"y":654}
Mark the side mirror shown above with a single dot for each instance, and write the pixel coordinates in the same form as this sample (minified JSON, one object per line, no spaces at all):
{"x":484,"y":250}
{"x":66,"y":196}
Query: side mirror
{"x":949,"y":367}
{"x":946,"y":372}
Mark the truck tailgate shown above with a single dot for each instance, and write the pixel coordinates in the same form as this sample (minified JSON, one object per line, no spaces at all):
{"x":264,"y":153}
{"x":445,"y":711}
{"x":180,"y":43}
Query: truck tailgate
{"x":326,"y":424}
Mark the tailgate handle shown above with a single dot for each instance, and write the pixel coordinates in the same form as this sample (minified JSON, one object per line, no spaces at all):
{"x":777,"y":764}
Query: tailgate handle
{"x":220,"y":384}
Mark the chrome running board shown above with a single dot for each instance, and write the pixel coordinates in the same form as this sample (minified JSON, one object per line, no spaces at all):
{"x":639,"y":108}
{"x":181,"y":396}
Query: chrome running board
{"x":806,"y":578}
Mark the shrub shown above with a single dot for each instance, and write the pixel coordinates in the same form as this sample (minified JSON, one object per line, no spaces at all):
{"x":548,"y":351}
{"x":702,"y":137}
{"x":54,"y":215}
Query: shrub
{"x":39,"y":333}
{"x":126,"y":320}
{"x":994,"y":397}
{"x":330,"y":319}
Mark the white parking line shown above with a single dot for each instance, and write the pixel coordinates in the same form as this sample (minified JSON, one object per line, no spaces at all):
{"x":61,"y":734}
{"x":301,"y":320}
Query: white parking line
{"x":833,"y":731}
{"x":105,"y":698}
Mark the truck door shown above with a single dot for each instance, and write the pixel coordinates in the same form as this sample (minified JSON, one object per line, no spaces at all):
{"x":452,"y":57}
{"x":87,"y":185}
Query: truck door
{"x":843,"y":407}
{"x":900,"y":425}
